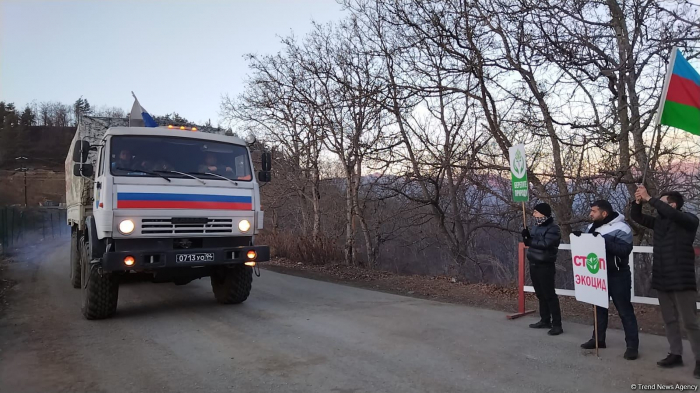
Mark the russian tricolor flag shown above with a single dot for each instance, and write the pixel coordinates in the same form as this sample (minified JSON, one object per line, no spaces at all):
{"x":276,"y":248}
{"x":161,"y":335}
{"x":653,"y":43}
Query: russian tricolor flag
{"x":139,"y":116}
{"x":150,"y":200}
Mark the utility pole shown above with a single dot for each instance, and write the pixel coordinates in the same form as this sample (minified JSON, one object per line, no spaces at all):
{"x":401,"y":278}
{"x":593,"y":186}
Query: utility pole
{"x":23,"y":169}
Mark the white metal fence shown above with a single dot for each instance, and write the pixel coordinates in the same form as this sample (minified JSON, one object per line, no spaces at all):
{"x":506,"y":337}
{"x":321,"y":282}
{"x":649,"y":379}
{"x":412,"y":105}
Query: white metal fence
{"x":635,"y":298}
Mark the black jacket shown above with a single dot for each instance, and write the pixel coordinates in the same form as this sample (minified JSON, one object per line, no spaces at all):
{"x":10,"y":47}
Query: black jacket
{"x":674,"y":256}
{"x":543,"y":242}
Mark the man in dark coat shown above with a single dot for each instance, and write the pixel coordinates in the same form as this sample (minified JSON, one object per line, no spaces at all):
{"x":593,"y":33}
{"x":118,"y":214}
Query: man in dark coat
{"x":673,"y":272}
{"x":543,"y":242}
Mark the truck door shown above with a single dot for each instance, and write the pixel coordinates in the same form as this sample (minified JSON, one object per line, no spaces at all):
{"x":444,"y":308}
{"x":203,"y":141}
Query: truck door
{"x":100,"y":180}
{"x":102,"y":209}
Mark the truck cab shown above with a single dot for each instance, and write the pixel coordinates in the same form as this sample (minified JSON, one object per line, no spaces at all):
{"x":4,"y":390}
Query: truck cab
{"x":176,"y":204}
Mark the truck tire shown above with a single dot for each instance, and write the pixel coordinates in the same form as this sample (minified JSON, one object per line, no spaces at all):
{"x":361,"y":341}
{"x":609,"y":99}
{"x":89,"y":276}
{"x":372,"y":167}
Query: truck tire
{"x":232,"y":285}
{"x":74,"y":259}
{"x":100,"y":290}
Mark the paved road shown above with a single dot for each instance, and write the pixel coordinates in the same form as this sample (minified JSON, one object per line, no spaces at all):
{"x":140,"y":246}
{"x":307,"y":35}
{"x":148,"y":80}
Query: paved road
{"x":292,"y":335}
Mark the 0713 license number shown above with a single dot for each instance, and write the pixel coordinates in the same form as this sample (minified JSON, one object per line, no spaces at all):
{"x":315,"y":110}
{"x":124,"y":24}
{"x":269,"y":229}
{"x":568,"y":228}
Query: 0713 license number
{"x":199,"y":257}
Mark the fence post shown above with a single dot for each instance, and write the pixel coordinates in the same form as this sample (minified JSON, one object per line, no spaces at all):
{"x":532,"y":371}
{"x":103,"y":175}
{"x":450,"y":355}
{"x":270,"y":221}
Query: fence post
{"x":631,"y":263}
{"x":12,"y":227}
{"x":3,"y":227}
{"x":521,"y":285}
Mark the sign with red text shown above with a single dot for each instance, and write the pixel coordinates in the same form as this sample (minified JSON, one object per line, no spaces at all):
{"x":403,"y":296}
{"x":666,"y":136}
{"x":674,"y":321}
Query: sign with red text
{"x":590,"y":269}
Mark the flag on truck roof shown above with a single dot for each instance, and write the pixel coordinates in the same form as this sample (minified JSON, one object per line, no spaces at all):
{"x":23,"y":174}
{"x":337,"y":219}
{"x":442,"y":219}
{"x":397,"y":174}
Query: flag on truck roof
{"x":139,"y":117}
{"x":680,"y":102}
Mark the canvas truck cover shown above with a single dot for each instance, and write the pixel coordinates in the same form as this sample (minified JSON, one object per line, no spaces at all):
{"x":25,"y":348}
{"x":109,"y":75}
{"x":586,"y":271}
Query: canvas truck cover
{"x":79,"y":189}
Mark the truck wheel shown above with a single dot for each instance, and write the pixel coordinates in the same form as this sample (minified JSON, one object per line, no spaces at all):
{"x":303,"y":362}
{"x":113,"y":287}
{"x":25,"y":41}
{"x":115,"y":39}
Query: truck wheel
{"x":100,"y":290}
{"x":74,"y":259}
{"x":232,"y":285}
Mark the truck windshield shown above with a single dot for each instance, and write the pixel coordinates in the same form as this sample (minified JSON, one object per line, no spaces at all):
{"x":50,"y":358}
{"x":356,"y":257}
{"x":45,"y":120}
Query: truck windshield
{"x":144,"y":156}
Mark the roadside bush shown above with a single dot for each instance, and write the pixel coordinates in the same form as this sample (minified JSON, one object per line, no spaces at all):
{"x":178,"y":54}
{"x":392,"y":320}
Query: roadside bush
{"x":302,"y":248}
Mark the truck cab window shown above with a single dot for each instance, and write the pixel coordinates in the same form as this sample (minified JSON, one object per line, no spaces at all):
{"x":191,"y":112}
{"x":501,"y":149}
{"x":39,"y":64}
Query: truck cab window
{"x":243,"y":168}
{"x":101,"y":162}
{"x":139,"y":155}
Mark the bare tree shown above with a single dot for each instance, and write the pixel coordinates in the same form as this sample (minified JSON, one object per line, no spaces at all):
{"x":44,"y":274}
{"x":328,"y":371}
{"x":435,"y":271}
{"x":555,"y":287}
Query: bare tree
{"x":348,"y":91}
{"x":417,"y":103}
{"x":108,"y":111}
{"x":276,"y":102}
{"x":55,"y":114}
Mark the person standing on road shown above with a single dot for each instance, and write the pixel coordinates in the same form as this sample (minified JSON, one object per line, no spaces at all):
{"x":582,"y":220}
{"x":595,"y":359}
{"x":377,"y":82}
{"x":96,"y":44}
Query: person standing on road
{"x":618,"y":247}
{"x":673,"y":271}
{"x":543,"y":242}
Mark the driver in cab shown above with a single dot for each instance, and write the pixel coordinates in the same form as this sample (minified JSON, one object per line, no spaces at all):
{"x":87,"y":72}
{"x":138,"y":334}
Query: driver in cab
{"x":124,"y":161}
{"x":211,"y":165}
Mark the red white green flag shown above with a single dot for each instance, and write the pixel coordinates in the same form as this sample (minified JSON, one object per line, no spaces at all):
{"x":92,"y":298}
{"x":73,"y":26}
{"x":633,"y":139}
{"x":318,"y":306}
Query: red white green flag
{"x":680,"y":100}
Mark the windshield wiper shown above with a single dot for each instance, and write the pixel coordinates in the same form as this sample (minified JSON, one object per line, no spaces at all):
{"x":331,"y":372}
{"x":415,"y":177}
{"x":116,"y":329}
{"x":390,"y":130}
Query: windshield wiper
{"x":186,"y":174}
{"x":215,"y":175}
{"x":142,"y":171}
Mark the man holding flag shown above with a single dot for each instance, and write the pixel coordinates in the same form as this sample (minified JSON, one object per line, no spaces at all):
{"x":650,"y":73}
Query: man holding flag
{"x":673,"y":272}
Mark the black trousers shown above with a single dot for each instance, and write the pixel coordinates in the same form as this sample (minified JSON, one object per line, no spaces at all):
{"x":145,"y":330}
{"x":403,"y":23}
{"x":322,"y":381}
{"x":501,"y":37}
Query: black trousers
{"x":542,"y":276}
{"x":619,"y":289}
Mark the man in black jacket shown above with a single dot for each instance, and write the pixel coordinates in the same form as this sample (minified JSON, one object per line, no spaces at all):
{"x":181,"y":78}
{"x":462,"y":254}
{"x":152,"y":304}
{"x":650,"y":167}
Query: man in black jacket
{"x":543,"y":242}
{"x":673,"y":272}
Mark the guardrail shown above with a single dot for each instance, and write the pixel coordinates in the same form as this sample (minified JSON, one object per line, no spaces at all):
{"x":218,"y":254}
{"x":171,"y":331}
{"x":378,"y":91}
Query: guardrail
{"x":522,"y":288}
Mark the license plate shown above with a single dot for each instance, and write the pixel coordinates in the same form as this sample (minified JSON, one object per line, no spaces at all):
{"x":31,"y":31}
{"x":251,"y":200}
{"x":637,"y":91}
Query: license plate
{"x":198,"y":257}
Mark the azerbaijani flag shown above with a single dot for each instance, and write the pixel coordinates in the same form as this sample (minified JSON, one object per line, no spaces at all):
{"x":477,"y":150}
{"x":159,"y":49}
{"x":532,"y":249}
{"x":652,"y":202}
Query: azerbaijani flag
{"x":680,"y":102}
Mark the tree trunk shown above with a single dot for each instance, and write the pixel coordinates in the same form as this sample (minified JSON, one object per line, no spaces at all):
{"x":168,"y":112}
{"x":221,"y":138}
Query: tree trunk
{"x":350,"y":223}
{"x":316,"y":203}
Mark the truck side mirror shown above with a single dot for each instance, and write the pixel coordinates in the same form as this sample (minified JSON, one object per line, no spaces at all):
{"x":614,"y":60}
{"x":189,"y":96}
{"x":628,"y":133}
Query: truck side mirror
{"x":266,"y":161}
{"x":264,"y":176}
{"x":84,"y":170}
{"x":81,"y":150}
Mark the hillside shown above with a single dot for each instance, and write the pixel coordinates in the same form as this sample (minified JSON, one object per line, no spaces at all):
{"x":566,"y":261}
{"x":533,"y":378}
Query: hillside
{"x":45,"y":147}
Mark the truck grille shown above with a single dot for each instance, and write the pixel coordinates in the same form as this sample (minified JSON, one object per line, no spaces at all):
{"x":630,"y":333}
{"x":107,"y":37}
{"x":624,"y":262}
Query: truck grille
{"x":167,"y":226}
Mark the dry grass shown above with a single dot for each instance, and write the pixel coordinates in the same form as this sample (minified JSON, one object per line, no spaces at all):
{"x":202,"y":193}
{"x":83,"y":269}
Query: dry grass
{"x":302,"y":248}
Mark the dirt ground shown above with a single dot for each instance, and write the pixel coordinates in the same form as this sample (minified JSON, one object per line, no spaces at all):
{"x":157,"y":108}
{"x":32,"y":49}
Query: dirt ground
{"x":5,"y":282}
{"x":446,"y":289}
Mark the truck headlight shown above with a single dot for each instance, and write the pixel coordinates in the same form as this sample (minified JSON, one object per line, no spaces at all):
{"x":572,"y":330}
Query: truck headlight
{"x":244,"y":225}
{"x":126,"y":227}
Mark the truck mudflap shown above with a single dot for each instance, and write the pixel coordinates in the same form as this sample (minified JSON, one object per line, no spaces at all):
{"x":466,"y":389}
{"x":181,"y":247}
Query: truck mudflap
{"x":155,"y":259}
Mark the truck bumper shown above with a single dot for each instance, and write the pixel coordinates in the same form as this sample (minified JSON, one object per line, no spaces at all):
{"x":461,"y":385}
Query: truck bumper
{"x":165,"y":259}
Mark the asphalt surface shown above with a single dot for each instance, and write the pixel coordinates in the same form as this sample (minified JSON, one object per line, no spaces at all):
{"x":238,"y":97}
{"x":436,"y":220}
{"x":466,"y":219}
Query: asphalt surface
{"x":292,"y":335}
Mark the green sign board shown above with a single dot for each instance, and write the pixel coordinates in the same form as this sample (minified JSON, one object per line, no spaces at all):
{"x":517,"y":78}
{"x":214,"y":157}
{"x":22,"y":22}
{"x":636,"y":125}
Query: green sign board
{"x":518,"y":173}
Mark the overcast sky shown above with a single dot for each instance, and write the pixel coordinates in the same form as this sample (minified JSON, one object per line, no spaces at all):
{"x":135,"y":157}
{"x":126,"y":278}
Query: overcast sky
{"x":177,"y":56}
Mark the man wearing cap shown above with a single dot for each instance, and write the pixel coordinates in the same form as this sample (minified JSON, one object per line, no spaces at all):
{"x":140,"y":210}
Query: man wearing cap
{"x":543,"y":242}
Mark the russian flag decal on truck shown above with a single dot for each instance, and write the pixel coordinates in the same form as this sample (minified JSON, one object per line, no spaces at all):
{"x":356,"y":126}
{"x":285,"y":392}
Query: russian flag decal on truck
{"x":178,"y":198}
